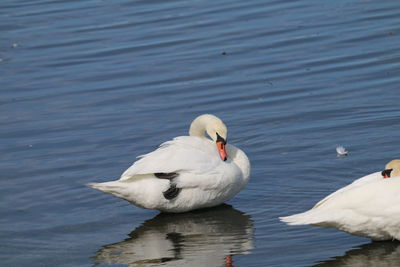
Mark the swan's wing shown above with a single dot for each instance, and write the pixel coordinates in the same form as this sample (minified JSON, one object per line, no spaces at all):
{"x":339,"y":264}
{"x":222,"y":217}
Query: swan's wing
{"x":374,"y":201}
{"x":184,"y":153}
{"x":373,"y":177}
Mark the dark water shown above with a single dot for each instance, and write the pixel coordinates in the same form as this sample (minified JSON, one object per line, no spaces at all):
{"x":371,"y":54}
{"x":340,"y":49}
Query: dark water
{"x":86,"y":86}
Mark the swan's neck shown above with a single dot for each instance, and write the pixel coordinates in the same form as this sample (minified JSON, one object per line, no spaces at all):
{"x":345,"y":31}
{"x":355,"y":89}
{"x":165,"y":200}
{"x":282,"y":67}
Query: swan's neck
{"x":198,"y":127}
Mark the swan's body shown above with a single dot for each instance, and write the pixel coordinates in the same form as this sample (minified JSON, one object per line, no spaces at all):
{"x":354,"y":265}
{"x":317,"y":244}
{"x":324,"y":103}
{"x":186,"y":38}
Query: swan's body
{"x":369,"y":207}
{"x":186,"y":173}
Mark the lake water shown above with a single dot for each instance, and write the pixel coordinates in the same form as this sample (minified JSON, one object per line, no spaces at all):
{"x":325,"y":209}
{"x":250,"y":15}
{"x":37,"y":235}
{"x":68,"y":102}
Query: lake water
{"x":86,"y":86}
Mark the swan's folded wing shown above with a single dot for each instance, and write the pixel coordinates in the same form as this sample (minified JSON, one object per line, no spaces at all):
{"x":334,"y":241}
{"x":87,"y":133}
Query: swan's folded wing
{"x":184,"y":153}
{"x":373,"y":177}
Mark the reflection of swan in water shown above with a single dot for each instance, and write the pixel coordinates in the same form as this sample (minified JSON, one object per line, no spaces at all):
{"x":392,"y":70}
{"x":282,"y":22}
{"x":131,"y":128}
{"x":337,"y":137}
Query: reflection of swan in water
{"x":198,"y":238}
{"x":372,"y":254}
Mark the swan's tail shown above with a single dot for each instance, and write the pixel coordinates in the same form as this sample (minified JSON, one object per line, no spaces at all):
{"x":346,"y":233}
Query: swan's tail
{"x":309,"y":217}
{"x":115,"y":188}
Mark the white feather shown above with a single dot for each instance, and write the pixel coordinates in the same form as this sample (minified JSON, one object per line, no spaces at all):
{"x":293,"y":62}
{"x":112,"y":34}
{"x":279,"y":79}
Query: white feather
{"x":341,"y":151}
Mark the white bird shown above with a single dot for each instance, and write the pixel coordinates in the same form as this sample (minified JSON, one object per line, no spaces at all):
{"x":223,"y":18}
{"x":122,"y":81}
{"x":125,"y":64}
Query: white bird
{"x":186,"y":173}
{"x":369,"y":207}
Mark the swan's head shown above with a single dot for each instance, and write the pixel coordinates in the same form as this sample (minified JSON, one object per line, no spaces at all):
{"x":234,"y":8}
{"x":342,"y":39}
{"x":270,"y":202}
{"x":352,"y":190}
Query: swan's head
{"x":392,"y":169}
{"x":218,"y":133}
{"x":215,"y":129}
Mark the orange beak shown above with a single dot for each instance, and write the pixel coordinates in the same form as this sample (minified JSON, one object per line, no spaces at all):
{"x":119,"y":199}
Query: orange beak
{"x":221,"y":150}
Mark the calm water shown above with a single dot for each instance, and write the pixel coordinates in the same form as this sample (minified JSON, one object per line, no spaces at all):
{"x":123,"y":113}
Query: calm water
{"x":86,"y":86}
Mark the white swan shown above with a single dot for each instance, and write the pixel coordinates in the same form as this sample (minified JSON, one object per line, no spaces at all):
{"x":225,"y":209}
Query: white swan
{"x":186,"y":173}
{"x":369,"y":207}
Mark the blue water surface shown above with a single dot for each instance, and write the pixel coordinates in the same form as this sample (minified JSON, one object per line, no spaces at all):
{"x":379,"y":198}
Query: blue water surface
{"x":86,"y":86}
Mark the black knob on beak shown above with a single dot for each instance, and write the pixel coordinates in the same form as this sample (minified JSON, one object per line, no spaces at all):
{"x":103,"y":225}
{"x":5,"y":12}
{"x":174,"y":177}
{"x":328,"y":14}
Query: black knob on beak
{"x":386,"y":173}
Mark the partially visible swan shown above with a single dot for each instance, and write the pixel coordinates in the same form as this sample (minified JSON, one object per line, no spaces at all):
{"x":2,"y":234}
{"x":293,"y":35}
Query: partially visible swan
{"x":369,"y":207}
{"x":186,"y":173}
